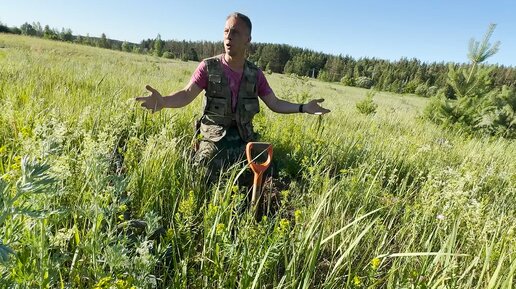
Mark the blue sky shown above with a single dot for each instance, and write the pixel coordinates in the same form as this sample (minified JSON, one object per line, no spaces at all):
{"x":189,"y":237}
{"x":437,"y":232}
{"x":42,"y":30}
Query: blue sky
{"x":427,"y":30}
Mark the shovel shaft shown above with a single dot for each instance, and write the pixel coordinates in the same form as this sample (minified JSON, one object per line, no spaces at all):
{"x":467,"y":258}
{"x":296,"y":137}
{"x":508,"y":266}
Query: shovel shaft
{"x":257,"y":186}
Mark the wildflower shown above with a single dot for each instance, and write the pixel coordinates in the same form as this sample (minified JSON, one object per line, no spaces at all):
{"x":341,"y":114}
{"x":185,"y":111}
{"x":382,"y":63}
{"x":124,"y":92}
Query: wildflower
{"x":16,"y":165}
{"x":212,"y":210}
{"x":440,"y":217}
{"x":284,"y":224}
{"x":26,"y":131}
{"x":357,"y":281}
{"x":170,"y":234}
{"x":187,"y":205}
{"x":103,"y":283}
{"x":284,"y":194}
{"x":375,"y":263}
{"x":220,"y":229}
{"x":123,"y":284}
{"x":298,"y":215}
{"x":122,"y":208}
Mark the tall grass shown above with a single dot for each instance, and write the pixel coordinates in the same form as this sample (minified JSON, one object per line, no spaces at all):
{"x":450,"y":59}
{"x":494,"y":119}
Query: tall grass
{"x":385,"y":200}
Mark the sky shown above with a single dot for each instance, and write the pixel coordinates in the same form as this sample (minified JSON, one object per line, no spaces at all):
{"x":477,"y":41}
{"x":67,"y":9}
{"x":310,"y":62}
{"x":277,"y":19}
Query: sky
{"x":431,"y":31}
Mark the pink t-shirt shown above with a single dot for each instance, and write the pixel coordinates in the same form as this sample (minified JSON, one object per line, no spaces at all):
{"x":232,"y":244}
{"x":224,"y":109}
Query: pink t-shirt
{"x":200,"y":77}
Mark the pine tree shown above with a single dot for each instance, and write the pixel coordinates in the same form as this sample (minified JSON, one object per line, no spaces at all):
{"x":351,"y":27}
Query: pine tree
{"x":126,"y":47}
{"x":478,"y":106}
{"x":480,"y":51}
{"x":158,"y":46}
{"x":103,"y":41}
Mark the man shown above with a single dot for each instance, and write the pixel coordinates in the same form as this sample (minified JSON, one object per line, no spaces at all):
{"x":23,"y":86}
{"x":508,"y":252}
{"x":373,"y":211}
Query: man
{"x":232,"y":86}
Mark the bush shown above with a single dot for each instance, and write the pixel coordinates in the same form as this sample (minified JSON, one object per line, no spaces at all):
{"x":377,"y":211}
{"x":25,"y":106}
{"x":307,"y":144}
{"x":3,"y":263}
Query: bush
{"x":432,"y":90}
{"x":168,"y":54}
{"x":498,"y":117}
{"x":411,"y":86}
{"x":421,"y":90}
{"x":364,"y":82}
{"x":347,"y":81}
{"x":367,"y":105}
{"x":4,"y":28}
{"x":184,"y":57}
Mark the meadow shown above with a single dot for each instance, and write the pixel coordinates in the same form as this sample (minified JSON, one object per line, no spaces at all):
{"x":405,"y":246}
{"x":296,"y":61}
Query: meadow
{"x":96,"y":192}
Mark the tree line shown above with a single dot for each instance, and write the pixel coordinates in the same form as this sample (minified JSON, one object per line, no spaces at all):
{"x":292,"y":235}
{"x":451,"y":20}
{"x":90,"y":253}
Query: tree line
{"x":401,"y":76}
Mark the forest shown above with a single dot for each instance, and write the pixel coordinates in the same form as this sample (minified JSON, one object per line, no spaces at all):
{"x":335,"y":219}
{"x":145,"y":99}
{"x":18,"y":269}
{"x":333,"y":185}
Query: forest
{"x":400,"y":76}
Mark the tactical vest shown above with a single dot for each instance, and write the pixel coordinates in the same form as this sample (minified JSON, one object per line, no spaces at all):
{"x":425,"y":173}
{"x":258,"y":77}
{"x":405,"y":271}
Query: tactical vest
{"x":218,"y":115}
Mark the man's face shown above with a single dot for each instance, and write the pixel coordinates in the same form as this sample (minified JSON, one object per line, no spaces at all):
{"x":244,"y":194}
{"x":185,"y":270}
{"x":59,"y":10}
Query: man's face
{"x":236,"y":37}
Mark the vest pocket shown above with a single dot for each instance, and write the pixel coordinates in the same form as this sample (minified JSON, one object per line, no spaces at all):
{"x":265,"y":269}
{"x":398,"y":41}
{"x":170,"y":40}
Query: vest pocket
{"x":252,"y":107}
{"x":215,"y":83}
{"x":216,"y":106}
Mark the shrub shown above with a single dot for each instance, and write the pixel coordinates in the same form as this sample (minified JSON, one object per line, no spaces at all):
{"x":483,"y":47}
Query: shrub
{"x":367,"y":105}
{"x":411,"y":86}
{"x":421,"y":90}
{"x":168,"y":54}
{"x":432,"y":90}
{"x":346,"y":80}
{"x":498,"y":117}
{"x":184,"y":57}
{"x":364,"y":82}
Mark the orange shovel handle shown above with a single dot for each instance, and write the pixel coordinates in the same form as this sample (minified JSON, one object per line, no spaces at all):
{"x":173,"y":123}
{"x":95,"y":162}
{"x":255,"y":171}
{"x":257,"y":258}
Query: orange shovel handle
{"x":258,"y":168}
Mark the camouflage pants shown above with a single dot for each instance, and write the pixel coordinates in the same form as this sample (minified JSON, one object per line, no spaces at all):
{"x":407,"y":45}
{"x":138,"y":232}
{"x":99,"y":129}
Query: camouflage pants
{"x":220,"y":155}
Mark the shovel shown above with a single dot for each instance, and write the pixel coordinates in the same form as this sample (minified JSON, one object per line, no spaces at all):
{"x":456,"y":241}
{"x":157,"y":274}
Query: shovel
{"x":257,"y":151}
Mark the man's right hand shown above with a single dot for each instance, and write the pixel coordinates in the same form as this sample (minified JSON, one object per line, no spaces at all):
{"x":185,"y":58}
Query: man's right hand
{"x":154,"y":102}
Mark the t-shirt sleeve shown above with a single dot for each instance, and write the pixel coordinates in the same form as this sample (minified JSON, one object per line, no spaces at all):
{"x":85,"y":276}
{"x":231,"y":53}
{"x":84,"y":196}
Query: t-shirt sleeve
{"x":263,"y":87}
{"x":200,"y":75}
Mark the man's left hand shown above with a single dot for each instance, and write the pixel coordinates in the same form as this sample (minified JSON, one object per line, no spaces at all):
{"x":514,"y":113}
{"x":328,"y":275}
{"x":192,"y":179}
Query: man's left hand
{"x":313,"y":107}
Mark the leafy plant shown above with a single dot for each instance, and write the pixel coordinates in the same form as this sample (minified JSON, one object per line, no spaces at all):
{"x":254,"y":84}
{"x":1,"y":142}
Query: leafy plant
{"x":499,"y":117}
{"x":364,"y":82}
{"x":16,"y":201}
{"x":367,"y":105}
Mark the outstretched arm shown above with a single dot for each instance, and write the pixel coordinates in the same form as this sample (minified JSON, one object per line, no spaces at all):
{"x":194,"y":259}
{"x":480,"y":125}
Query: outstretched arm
{"x":157,"y":102}
{"x":283,"y":106}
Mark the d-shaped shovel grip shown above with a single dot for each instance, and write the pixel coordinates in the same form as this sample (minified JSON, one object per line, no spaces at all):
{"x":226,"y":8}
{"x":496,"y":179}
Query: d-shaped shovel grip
{"x":257,"y":168}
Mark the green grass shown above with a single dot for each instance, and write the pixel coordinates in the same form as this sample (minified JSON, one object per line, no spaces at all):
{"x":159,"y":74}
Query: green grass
{"x":387,"y":200}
